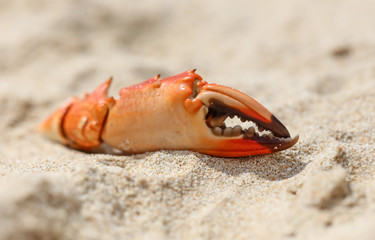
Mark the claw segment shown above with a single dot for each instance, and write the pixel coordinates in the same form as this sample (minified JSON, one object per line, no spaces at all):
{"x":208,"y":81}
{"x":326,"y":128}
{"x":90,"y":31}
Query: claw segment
{"x":193,"y":105}
{"x":178,"y":112}
{"x":85,"y":119}
{"x":52,"y":128}
{"x":251,"y":107}
{"x":242,"y":147}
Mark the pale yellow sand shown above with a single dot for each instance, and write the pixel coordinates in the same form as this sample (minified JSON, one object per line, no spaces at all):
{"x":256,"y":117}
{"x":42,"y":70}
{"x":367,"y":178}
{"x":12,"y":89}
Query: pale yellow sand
{"x":312,"y":63}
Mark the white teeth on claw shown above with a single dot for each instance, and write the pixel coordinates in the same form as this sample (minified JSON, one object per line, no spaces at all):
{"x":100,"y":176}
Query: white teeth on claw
{"x":228,"y":132}
{"x":217,"y":131}
{"x":260,"y":128}
{"x":237,"y":131}
{"x":250,"y":132}
{"x":248,"y":129}
{"x":218,"y":121}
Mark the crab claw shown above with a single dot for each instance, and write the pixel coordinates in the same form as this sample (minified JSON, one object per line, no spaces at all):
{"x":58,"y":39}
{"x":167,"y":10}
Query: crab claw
{"x":245,"y":138}
{"x":185,"y":112}
{"x":181,"y":112}
{"x":79,"y":123}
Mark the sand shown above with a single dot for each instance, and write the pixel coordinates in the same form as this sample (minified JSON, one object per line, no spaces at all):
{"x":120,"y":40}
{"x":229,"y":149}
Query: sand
{"x":312,"y":63}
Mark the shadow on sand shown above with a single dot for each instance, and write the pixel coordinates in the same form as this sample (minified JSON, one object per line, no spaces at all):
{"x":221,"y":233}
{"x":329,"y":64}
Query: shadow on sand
{"x":273,"y":167}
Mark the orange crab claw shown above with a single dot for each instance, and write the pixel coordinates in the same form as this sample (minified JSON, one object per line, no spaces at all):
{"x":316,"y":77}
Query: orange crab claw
{"x":79,"y":123}
{"x":223,"y":103}
{"x":178,"y":112}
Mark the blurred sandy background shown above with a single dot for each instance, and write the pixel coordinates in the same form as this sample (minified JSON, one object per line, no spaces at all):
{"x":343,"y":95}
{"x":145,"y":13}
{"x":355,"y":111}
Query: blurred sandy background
{"x":312,"y":63}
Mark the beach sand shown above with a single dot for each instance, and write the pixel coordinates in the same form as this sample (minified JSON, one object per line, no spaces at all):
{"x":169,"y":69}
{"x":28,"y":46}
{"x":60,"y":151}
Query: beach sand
{"x":311,"y":63}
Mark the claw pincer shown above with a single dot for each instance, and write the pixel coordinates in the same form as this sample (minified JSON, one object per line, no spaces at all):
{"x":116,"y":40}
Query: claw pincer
{"x":181,"y":112}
